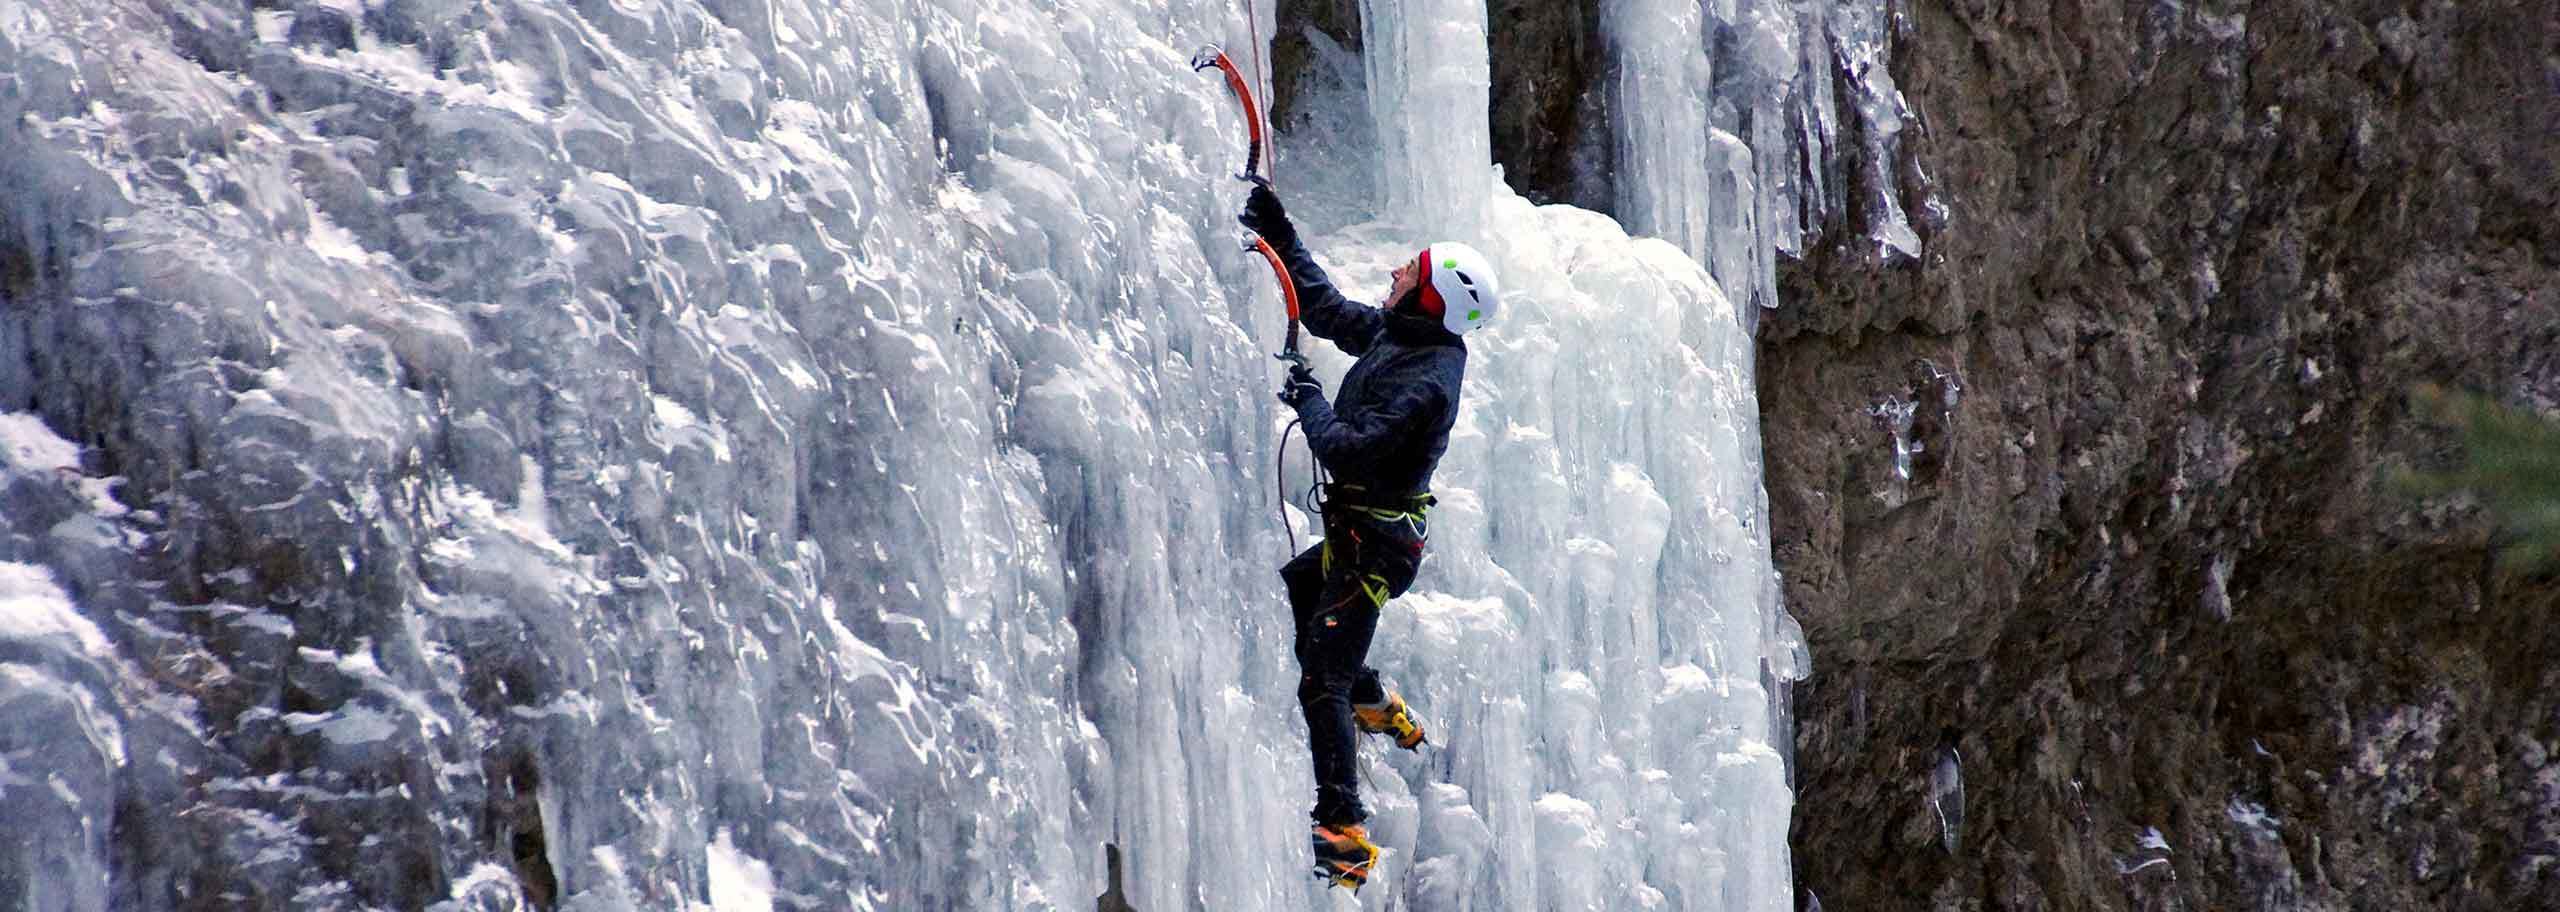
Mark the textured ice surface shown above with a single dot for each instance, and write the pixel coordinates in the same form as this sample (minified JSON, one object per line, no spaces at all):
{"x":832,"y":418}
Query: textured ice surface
{"x":496,"y":454}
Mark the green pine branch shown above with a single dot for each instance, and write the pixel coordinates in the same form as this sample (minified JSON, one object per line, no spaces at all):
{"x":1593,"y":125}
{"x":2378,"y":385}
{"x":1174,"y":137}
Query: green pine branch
{"x":2510,"y":462}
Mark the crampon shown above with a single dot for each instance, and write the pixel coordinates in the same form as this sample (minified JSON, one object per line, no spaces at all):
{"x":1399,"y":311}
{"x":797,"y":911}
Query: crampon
{"x":1344,"y":856}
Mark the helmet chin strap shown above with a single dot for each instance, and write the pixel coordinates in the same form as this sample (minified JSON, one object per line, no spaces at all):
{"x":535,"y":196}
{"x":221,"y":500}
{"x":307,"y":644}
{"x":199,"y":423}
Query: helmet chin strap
{"x":1408,"y":303}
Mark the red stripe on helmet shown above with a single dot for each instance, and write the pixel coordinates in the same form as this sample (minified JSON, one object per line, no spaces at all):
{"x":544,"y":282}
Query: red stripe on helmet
{"x":1431,"y":303}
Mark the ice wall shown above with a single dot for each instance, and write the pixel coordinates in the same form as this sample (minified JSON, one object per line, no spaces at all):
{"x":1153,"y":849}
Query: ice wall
{"x":1603,"y":581}
{"x":503,"y":454}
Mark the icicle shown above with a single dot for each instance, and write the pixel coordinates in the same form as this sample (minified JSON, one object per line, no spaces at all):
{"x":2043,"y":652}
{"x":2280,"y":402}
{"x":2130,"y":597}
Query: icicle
{"x":1660,"y":93}
{"x":1430,"y":79}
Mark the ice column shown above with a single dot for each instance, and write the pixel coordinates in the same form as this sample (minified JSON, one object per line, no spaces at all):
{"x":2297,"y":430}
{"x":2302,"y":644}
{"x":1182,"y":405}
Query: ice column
{"x":1684,"y":171}
{"x":1660,"y":90}
{"x":1430,"y":79}
{"x":1685,"y":174}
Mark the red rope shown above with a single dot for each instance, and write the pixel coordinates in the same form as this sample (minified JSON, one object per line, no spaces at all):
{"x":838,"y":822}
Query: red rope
{"x":1262,"y":75}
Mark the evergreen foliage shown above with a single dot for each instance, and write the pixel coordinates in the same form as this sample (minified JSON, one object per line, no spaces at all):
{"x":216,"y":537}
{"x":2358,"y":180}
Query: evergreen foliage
{"x":2510,"y":462}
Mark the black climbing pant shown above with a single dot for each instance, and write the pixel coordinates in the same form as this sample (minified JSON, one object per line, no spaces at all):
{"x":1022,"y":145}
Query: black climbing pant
{"x":1368,"y":555}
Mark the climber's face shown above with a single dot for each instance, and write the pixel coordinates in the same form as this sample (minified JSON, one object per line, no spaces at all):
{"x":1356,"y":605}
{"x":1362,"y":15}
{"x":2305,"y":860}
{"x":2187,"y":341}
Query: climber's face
{"x":1406,"y":276}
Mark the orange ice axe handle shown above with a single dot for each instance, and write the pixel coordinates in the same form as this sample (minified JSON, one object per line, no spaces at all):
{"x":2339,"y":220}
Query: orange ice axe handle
{"x":1211,"y":56}
{"x":1288,"y":289}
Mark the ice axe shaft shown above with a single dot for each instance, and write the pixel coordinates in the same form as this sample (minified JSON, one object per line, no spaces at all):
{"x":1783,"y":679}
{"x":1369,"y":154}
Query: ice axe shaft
{"x":1279,"y":270}
{"x":1212,"y":56}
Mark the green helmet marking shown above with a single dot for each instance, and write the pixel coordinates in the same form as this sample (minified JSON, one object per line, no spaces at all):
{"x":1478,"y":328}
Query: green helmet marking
{"x":1475,"y":314}
{"x":1451,"y":263}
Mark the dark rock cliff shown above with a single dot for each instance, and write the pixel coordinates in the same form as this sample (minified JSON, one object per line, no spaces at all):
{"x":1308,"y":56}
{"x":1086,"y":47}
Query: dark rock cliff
{"x":2145,"y":578}
{"x":2087,"y":514}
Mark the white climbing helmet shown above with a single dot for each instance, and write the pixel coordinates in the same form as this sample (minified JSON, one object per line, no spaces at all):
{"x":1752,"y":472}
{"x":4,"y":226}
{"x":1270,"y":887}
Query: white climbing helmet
{"x":1458,"y":286}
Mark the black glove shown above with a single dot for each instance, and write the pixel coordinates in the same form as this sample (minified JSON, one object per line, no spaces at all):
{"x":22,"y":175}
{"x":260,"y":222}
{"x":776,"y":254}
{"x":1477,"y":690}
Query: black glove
{"x":1262,"y":213}
{"x":1301,"y":384}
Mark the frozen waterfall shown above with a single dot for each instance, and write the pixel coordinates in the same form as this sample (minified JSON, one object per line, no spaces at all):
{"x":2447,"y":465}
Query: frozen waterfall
{"x":487,"y":455}
{"x":1729,"y":133}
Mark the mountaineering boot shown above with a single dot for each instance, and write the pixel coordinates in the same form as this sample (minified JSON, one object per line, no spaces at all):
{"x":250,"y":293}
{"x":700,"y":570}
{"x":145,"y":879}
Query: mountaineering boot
{"x":1344,"y":855}
{"x":1390,"y":718}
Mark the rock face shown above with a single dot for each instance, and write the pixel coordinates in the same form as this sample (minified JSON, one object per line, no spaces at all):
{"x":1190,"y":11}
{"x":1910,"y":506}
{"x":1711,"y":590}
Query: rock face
{"x":2092,"y":503}
{"x":2087,"y":512}
{"x":1551,"y":112}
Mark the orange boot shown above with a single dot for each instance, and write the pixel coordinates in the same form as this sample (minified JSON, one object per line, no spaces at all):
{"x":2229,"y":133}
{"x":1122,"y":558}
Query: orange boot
{"x":1389,"y":718}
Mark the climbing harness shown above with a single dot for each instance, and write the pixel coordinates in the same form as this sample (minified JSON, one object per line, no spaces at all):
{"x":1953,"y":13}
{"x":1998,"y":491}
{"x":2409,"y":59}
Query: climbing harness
{"x":1407,"y":512}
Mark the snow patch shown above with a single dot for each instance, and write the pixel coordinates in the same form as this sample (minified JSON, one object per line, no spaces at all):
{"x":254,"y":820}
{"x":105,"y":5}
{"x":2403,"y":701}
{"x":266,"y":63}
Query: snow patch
{"x":482,"y":876}
{"x":28,"y":446}
{"x":33,"y":608}
{"x":348,"y":726}
{"x":334,"y":242}
{"x":739,"y":882}
{"x":2252,"y":815}
{"x":2151,"y":839}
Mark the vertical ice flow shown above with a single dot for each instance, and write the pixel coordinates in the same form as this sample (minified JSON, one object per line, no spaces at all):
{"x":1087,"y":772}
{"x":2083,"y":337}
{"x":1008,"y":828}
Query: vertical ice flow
{"x":1662,"y":84}
{"x":1599,"y":629}
{"x":1858,"y":31}
{"x":818,"y":453}
{"x":1429,"y":80}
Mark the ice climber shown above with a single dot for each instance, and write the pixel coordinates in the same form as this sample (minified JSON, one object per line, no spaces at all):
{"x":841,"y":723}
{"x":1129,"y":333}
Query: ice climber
{"x":1379,"y":437}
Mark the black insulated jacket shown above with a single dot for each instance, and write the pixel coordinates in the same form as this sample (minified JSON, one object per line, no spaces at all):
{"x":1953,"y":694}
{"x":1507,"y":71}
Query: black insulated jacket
{"x":1387,"y":426}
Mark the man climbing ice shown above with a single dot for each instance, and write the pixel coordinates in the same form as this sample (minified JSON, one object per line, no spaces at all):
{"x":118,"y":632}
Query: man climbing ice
{"x":1379,"y":438}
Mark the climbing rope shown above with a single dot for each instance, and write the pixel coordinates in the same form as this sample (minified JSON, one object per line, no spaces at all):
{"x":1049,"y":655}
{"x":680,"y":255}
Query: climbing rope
{"x":1262,"y":80}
